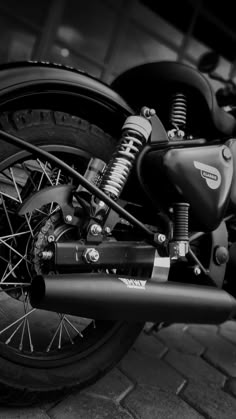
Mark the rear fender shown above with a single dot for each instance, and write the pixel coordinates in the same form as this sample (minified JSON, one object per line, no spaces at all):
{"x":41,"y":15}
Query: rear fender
{"x":39,"y":84}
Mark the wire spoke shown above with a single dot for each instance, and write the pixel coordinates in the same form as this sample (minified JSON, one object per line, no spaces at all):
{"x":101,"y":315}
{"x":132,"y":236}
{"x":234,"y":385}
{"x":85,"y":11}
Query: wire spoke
{"x":17,"y":321}
{"x":5,"y":271}
{"x":55,"y":334}
{"x":10,"y":197}
{"x":22,"y":335}
{"x":73,"y":327}
{"x":28,"y":172}
{"x":68,"y":333}
{"x":20,"y":199}
{"x":29,"y":335}
{"x":27,"y":321}
{"x":24,"y":322}
{"x":14,"y":332}
{"x":43,"y":167}
{"x":15,"y":184}
{"x":56,"y":183}
{"x":60,"y":335}
{"x":11,"y":271}
{"x":14,"y":250}
{"x":11,"y":236}
{"x":58,"y":177}
{"x":7,"y":216}
{"x":26,"y":325}
{"x":4,"y":259}
{"x":19,"y":181}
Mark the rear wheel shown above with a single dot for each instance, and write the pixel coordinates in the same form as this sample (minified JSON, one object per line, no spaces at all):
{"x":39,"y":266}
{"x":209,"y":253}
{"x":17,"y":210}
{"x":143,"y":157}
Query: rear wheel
{"x":43,"y":354}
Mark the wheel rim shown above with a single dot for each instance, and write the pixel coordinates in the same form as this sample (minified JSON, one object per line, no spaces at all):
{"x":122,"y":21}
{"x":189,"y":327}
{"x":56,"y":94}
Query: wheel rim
{"x":27,"y":335}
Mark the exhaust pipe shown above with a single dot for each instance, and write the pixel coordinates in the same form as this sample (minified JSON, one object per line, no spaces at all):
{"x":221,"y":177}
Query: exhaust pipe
{"x":119,"y":297}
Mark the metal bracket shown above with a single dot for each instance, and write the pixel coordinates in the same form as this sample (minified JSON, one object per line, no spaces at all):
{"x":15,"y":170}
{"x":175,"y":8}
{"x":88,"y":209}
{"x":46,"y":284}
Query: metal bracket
{"x":61,"y":194}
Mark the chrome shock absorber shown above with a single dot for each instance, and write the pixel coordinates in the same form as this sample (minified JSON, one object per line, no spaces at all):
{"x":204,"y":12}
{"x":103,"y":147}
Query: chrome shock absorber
{"x":178,"y":116}
{"x":135,"y":133}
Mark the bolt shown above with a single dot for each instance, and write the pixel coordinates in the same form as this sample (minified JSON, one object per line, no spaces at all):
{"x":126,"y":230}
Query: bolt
{"x":95,"y":229}
{"x":68,"y":218}
{"x":180,"y":133}
{"x":101,"y":204}
{"x":197,"y":270}
{"x":161,"y":238}
{"x":107,"y":230}
{"x":226,"y":153}
{"x":47,"y":255}
{"x":147,"y":112}
{"x":51,"y":238}
{"x":91,"y":255}
{"x":221,"y":255}
{"x":125,"y":222}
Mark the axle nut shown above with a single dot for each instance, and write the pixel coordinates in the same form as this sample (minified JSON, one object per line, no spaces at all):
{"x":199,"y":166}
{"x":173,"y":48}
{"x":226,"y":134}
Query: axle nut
{"x":91,"y":255}
{"x":95,"y":229}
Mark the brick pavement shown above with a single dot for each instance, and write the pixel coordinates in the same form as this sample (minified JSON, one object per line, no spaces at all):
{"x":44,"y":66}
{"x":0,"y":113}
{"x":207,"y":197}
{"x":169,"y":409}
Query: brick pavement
{"x":179,"y":372}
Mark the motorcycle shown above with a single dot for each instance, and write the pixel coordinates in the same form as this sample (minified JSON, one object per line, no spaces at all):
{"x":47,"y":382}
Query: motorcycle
{"x":117,"y":207}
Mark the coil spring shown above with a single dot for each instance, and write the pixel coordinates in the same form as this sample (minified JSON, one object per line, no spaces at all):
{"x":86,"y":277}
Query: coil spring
{"x":178,"y":113}
{"x":118,"y":170}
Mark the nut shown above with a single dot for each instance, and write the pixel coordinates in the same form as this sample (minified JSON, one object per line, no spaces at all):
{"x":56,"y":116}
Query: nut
{"x":91,"y":255}
{"x":161,"y":238}
{"x":68,"y":218}
{"x":51,"y":238}
{"x":197,"y":270}
{"x":95,"y":229}
{"x":107,"y":230}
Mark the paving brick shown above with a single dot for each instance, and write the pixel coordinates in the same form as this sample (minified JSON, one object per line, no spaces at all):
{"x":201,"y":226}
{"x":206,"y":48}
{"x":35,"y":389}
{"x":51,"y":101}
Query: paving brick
{"x":228,"y":331}
{"x":175,"y":337}
{"x":210,"y":400}
{"x":219,"y":351}
{"x":84,"y":406}
{"x":145,"y":403}
{"x":114,"y":385}
{"x":22,"y":413}
{"x":194,"y":368}
{"x":150,"y":371}
{"x":150,"y":345}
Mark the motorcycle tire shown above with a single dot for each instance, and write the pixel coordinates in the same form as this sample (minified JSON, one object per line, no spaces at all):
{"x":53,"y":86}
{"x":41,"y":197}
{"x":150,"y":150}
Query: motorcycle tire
{"x":29,"y":372}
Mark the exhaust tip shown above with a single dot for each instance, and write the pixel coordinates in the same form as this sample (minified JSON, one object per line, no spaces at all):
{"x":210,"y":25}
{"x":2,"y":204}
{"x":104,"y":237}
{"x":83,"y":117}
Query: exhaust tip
{"x":37,"y":290}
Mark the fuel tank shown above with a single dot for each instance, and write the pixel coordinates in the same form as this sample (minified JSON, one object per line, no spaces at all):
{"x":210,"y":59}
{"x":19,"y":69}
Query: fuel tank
{"x":201,"y":176}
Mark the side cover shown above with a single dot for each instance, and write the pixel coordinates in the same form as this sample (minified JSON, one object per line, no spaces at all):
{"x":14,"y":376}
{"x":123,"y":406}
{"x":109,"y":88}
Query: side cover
{"x":37,"y":83}
{"x":201,"y":176}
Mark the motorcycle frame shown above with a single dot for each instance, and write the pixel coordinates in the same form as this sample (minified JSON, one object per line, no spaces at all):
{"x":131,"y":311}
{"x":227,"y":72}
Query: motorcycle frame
{"x":40,"y":152}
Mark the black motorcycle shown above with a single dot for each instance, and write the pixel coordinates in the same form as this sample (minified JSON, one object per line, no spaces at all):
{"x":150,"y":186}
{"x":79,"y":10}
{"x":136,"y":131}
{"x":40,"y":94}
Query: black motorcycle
{"x":117,"y":207}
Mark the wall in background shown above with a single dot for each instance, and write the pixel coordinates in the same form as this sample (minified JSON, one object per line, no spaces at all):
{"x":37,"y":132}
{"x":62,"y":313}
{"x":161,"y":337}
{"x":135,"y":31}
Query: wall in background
{"x":106,"y":37}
